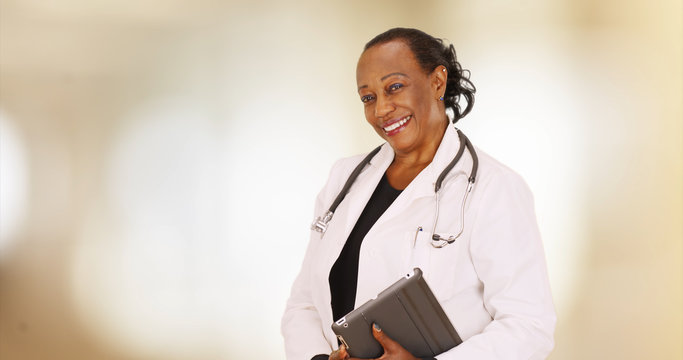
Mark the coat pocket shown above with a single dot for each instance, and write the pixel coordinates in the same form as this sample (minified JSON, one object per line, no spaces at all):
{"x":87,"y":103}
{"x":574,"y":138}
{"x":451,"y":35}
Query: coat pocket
{"x":439,"y":265}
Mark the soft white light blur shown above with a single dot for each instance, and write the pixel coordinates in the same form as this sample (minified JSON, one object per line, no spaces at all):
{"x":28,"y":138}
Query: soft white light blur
{"x":158,"y":244}
{"x":175,"y":150}
{"x":516,"y":120}
{"x":13,"y":181}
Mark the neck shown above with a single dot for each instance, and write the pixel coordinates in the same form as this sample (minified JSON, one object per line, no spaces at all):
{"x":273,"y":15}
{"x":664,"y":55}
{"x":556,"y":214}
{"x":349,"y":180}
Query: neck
{"x":422,"y":156}
{"x":406,"y":166}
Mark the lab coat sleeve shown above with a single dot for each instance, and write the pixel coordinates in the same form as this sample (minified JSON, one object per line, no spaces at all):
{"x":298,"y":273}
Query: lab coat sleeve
{"x":301,"y":325}
{"x":509,"y":260}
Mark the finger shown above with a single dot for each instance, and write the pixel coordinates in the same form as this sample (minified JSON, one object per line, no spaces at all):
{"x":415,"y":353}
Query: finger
{"x":383,"y":339}
{"x":334,"y":355}
{"x":342,"y":352}
{"x":339,"y":354}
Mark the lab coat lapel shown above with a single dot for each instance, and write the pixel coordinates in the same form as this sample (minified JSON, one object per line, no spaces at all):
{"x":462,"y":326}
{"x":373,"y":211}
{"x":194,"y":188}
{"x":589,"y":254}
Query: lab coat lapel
{"x":363,"y":188}
{"x":346,"y":215}
{"x":404,"y":237}
{"x":345,"y":219}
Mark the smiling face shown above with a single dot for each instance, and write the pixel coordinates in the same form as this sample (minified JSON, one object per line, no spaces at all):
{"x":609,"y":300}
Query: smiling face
{"x":402,"y":101}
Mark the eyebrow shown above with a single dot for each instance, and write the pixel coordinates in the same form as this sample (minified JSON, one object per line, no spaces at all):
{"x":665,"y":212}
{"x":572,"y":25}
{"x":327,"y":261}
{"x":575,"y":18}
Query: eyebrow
{"x":385,"y":77}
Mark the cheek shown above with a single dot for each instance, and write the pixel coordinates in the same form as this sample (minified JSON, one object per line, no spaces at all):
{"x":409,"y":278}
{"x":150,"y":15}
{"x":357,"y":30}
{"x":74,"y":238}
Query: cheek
{"x":369,"y":114}
{"x":418,"y":98}
{"x":423,"y":101}
{"x":370,"y":119}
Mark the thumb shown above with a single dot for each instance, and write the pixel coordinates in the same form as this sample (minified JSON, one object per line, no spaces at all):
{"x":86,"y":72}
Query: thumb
{"x":342,"y":352}
{"x":383,"y":339}
{"x":339,"y":354}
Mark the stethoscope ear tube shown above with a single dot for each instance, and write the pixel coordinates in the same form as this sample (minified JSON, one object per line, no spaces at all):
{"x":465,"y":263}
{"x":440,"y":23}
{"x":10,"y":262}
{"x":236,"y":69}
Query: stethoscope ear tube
{"x":475,"y":161}
{"x":320,"y":223}
{"x":439,"y":241}
{"x":447,"y":169}
{"x":464,"y":142}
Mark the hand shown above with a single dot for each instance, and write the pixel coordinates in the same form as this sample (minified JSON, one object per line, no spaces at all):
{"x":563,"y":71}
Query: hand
{"x":339,"y":354}
{"x":392,"y":349}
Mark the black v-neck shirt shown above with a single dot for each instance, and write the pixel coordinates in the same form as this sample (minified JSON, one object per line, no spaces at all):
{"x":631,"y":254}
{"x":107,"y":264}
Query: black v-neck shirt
{"x":344,"y":273}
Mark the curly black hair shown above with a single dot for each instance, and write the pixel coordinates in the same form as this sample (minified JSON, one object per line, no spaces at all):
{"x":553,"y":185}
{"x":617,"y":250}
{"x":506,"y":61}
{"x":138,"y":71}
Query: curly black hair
{"x":431,"y":52}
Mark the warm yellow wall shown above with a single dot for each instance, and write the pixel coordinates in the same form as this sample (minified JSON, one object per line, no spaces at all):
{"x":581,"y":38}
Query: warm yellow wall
{"x":159,"y":161}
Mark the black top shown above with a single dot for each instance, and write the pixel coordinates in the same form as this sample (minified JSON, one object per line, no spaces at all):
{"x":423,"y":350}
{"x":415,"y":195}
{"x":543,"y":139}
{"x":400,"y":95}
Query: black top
{"x":344,"y":273}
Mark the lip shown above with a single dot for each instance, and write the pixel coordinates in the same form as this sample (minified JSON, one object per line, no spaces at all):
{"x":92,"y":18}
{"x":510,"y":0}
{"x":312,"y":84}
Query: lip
{"x":397,"y":129}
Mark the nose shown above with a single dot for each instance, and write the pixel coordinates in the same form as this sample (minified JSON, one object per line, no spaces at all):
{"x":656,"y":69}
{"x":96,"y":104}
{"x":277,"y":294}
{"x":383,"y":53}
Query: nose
{"x":383,"y":106}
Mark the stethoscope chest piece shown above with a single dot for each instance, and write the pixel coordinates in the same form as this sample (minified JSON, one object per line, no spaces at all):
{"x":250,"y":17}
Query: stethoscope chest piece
{"x":321,"y":222}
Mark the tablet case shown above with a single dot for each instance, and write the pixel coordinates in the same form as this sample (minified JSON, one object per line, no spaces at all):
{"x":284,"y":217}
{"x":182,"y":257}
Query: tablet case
{"x":407,"y":312}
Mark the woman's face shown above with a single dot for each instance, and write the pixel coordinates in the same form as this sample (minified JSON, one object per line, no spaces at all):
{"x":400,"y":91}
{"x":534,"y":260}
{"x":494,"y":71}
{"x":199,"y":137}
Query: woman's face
{"x":401,"y":101}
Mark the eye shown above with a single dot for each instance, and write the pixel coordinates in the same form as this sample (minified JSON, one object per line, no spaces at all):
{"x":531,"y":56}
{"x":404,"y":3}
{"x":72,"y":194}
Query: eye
{"x":394,"y":87}
{"x":366,"y":98}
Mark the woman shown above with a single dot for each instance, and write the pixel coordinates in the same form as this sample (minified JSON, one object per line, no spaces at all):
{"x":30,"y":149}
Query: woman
{"x":491,"y":281}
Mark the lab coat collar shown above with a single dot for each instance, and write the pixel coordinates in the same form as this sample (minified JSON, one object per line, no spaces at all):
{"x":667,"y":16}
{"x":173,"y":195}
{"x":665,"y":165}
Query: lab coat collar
{"x":423,"y":184}
{"x":450,"y":143}
{"x":384,"y":157}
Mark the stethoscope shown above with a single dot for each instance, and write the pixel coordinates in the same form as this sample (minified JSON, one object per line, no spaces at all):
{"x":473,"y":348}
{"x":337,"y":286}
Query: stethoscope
{"x":438,"y":241}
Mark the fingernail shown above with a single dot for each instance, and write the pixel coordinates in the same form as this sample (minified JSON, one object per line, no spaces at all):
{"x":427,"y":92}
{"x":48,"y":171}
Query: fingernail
{"x":376,"y":327}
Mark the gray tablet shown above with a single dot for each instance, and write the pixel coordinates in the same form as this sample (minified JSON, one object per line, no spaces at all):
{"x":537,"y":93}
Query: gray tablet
{"x":407,"y":312}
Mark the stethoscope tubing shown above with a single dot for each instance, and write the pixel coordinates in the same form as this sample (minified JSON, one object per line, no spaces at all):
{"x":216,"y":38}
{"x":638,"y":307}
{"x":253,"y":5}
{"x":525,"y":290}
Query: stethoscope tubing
{"x":437,"y":240}
{"x":320,"y":224}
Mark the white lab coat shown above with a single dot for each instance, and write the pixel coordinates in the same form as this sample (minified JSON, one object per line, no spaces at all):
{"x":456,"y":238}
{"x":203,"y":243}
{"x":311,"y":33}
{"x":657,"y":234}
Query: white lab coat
{"x":492,"y":282}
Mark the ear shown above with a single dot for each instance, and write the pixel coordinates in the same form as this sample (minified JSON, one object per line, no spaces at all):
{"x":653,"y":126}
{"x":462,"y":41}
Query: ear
{"x":439,"y":78}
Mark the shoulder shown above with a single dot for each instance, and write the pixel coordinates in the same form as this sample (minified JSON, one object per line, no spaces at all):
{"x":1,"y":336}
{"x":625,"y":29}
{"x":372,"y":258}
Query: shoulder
{"x":347,"y":164}
{"x":493,"y":172}
{"x":505,"y":214}
{"x":497,"y":183}
{"x":342,"y":168}
{"x":339,"y":173}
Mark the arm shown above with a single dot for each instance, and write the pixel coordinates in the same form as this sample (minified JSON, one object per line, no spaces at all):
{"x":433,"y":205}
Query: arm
{"x":509,"y":260}
{"x":301,"y":326}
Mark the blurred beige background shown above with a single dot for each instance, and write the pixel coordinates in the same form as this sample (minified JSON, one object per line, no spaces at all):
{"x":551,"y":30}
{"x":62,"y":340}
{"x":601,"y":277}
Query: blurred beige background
{"x":159,"y":161}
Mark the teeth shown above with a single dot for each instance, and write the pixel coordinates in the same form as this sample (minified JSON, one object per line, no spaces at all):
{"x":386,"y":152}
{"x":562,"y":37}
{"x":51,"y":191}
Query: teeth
{"x":398,"y":124}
